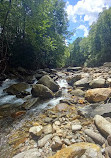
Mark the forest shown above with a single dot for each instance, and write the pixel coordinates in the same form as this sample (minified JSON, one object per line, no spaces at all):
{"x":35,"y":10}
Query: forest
{"x":33,"y":35}
{"x":55,"y":96}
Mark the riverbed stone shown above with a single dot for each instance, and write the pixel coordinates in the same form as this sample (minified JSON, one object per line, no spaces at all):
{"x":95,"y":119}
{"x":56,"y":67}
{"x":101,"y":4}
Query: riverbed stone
{"x":97,"y":94}
{"x":71,"y":79}
{"x":49,"y":82}
{"x":79,"y":150}
{"x":47,"y":129}
{"x":61,"y":107}
{"x":95,"y":109}
{"x":78,"y":92}
{"x":103,"y":125}
{"x":98,"y":138}
{"x":58,"y":93}
{"x":39,"y":90}
{"x":108,"y":82}
{"x":56,"y":143}
{"x":97,"y":83}
{"x":76,"y":128}
{"x":71,"y":69}
{"x":29,"y":103}
{"x":84,"y":82}
{"x":32,"y":153}
{"x":44,"y":140}
{"x":36,"y":130}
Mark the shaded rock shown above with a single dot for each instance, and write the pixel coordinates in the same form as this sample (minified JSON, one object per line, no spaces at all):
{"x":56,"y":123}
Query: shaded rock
{"x":48,"y":82}
{"x":103,"y":125}
{"x":71,"y":69}
{"x":109,"y":140}
{"x":69,"y":102}
{"x":57,"y":143}
{"x":95,"y":136}
{"x":18,"y":89}
{"x":39,"y":90}
{"x":67,"y":141}
{"x":108,"y":82}
{"x":47,"y":129}
{"x":72,"y":79}
{"x":108,"y":150}
{"x":29,"y":103}
{"x":107,"y":64}
{"x":54,"y":71}
{"x":48,"y":120}
{"x":103,"y":109}
{"x":78,"y":92}
{"x":44,"y":140}
{"x":57,"y":123}
{"x":95,"y":109}
{"x":79,"y":150}
{"x":36,"y":130}
{"x":61,"y":107}
{"x":87,"y":110}
{"x":97,"y":94}
{"x":76,"y":128}
{"x":97,"y":83}
{"x":84,"y":82}
{"x":32,"y":153}
{"x":58,"y":93}
{"x":18,"y":114}
{"x":29,"y":79}
{"x":38,"y":76}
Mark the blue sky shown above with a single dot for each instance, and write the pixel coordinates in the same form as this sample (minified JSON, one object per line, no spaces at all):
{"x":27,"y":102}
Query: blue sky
{"x":82,"y":13}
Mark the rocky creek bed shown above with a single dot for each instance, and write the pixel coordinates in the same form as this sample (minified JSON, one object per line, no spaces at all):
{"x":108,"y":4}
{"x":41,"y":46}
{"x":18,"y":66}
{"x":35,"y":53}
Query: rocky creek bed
{"x":56,"y":113}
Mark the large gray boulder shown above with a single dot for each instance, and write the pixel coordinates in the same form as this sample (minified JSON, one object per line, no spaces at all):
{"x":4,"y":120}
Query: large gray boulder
{"x":95,"y":109}
{"x":84,"y":82}
{"x":97,"y":83}
{"x":49,"y":82}
{"x":39,"y":90}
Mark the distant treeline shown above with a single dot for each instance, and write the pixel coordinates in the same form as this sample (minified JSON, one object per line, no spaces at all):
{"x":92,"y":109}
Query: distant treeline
{"x":95,"y":49}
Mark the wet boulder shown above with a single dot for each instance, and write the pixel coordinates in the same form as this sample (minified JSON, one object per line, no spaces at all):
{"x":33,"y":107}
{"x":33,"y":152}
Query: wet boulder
{"x":39,"y":90}
{"x":49,"y":82}
{"x":29,"y":103}
{"x":19,"y":89}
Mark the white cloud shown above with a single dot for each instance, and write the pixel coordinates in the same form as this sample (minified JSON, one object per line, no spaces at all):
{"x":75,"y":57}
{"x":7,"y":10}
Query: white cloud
{"x":89,"y":9}
{"x":85,"y":29}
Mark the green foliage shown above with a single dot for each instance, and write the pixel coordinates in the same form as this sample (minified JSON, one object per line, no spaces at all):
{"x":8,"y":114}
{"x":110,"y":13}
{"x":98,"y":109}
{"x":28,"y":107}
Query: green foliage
{"x":95,"y":49}
{"x":100,"y":40}
{"x":77,"y":57}
{"x":35,"y":32}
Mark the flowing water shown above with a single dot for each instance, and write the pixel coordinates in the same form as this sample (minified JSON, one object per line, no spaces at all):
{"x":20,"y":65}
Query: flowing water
{"x":8,"y":125}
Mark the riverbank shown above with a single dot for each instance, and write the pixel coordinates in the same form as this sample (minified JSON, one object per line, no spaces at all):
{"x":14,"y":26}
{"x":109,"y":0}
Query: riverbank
{"x":70,"y":119}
